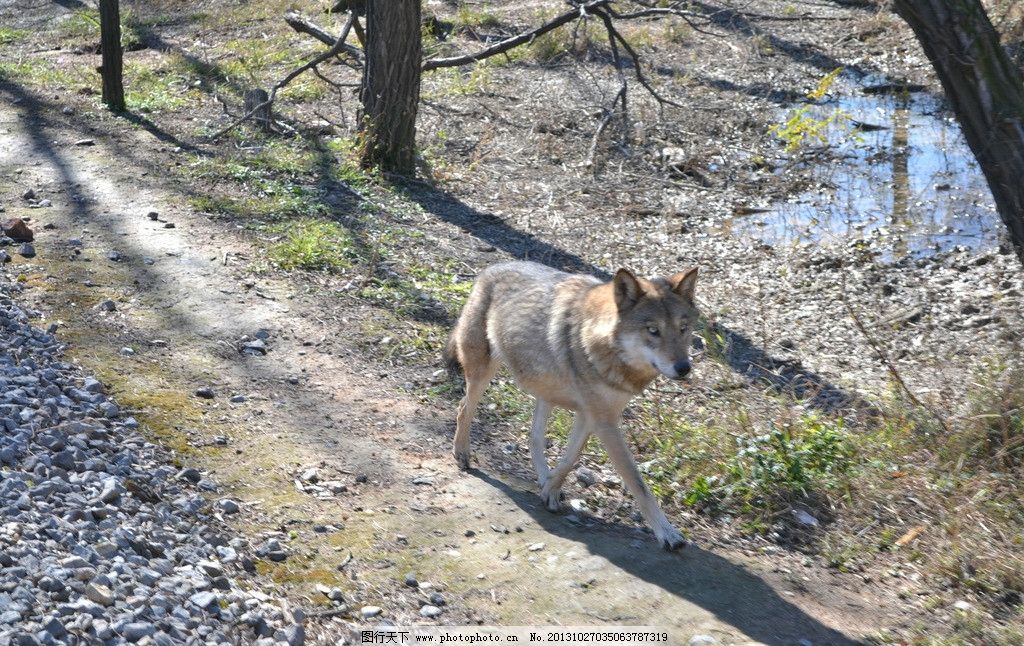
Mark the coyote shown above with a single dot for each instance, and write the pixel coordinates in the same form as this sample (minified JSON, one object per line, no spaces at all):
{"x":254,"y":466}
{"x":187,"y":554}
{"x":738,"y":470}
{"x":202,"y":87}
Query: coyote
{"x":581,"y":344}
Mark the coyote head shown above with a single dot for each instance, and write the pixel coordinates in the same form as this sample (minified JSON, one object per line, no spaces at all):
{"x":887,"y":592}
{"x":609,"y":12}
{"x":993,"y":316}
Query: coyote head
{"x":656,"y":320}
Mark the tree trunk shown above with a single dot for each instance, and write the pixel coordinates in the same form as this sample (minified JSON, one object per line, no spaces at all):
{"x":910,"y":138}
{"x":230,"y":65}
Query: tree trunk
{"x":110,"y":47}
{"x":985,"y":90}
{"x":253,"y":99}
{"x":390,"y":90}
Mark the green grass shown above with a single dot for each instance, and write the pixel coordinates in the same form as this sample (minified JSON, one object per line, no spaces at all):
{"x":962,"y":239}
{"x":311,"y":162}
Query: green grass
{"x":43,"y":74}
{"x":9,"y":35}
{"x":457,"y":81}
{"x":470,"y":16}
{"x":273,"y":183}
{"x":313,"y":245}
{"x":158,"y":87}
{"x":82,"y":23}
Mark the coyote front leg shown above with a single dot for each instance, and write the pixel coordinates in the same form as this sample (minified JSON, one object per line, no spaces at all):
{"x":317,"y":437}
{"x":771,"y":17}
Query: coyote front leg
{"x":622,"y":459}
{"x":539,"y":440}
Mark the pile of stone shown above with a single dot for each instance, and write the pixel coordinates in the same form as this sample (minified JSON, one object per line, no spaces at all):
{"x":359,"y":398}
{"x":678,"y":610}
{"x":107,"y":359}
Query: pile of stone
{"x":102,"y":539}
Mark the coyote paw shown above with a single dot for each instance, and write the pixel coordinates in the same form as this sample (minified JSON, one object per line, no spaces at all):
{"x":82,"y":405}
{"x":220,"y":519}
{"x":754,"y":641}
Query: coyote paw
{"x":552,"y":498}
{"x":462,"y":459}
{"x":671,"y":540}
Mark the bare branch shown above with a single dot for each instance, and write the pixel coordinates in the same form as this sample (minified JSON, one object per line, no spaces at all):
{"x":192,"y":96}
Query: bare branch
{"x":613,"y":35}
{"x":336,"y":48}
{"x":509,"y":43}
{"x":300,"y":24}
{"x":658,"y":12}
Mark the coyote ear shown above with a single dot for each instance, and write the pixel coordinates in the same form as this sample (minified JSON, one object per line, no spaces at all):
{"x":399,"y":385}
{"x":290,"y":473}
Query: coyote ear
{"x":684,"y":283}
{"x":627,"y":289}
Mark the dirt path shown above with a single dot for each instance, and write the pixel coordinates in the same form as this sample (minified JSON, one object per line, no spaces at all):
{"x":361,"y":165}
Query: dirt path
{"x":184,"y":298}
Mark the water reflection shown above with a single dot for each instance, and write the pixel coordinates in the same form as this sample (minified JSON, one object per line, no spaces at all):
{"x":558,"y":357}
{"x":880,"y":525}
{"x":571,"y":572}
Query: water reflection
{"x":905,"y":183}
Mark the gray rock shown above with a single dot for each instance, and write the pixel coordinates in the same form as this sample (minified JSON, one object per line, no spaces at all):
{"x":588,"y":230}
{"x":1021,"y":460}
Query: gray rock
{"x":255,"y":347}
{"x":228,"y":506}
{"x":74,"y":562}
{"x":136,"y":630}
{"x":203,"y":599}
{"x":27,"y":250}
{"x":369,"y":612}
{"x":586,"y":477}
{"x":212,"y":569}
{"x":430,"y":611}
{"x":92,"y":385}
{"x":10,"y":617}
{"x":107,"y":305}
{"x":295,"y":635}
{"x":100,"y":594}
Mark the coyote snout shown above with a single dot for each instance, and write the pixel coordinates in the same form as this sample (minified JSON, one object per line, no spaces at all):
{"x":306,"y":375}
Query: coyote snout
{"x":580,"y":344}
{"x":681,"y":369}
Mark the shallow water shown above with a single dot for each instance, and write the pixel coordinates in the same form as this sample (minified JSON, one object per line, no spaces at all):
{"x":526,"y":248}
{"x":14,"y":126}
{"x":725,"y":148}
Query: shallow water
{"x":911,"y":188}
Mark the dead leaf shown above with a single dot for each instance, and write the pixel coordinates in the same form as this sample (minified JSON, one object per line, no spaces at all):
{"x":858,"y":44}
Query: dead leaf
{"x":910,"y":536}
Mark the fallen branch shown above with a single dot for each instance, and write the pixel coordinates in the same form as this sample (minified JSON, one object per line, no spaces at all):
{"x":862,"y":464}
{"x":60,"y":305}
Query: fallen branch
{"x":300,"y":24}
{"x":337,"y":47}
{"x":510,"y":43}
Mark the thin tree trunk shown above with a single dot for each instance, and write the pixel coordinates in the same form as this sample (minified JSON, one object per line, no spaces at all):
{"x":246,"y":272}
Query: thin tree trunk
{"x":391,"y":85}
{"x":110,"y":47}
{"x":985,"y":90}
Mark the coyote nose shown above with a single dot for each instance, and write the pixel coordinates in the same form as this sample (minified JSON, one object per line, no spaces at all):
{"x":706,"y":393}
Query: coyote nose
{"x":682,"y":369}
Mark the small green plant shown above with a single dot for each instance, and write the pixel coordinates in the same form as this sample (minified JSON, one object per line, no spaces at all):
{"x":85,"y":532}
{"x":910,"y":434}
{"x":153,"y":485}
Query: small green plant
{"x":765,"y":473}
{"x":478,"y":79}
{"x":467,"y":16}
{"x":802,"y":127}
{"x":10,"y":35}
{"x":547,"y":47}
{"x":678,"y":33}
{"x":44,"y":74}
{"x":154,"y":88}
{"x":313,"y":245}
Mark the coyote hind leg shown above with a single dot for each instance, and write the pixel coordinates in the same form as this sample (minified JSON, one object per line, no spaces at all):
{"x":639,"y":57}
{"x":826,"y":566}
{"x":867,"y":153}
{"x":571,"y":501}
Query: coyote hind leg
{"x":478,"y":376}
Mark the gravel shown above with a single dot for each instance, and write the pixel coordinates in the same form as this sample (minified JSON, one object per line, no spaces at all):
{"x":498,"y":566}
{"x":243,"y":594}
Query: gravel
{"x":102,"y":540}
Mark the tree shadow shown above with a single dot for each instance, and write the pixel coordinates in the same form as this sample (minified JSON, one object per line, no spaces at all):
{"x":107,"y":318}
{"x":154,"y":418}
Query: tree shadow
{"x":742,"y":354}
{"x":158,"y":278}
{"x":735,"y":21}
{"x":731,"y":592}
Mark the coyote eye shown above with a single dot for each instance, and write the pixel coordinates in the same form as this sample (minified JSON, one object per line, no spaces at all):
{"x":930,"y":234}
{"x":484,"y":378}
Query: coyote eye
{"x":653,"y":330}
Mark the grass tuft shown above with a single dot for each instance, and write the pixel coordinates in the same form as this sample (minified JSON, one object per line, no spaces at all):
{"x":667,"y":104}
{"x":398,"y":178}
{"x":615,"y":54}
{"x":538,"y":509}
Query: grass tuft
{"x":313,"y":245}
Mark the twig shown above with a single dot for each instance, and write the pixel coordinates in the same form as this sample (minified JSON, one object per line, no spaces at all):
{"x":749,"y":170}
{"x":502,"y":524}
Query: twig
{"x":337,"y":47}
{"x":686,"y":15}
{"x":509,"y":43}
{"x":608,"y":114}
{"x":889,"y":365}
{"x":636,"y":63}
{"x":300,"y":24}
{"x":620,"y":96}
